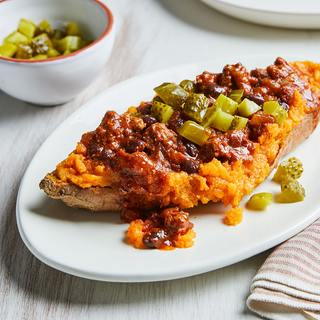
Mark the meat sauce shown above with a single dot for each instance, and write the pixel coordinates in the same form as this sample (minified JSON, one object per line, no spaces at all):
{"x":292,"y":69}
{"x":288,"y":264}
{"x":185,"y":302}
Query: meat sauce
{"x":161,"y":228}
{"x":142,"y":150}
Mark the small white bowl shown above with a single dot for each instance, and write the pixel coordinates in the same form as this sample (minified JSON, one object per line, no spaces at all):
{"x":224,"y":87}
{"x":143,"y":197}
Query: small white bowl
{"x":56,"y":80}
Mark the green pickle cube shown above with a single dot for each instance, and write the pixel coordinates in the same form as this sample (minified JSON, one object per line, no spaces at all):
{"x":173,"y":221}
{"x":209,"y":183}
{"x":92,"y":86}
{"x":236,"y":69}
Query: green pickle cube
{"x":66,"y":52}
{"x":247,"y":107}
{"x":172,"y":94}
{"x":39,"y":56}
{"x":16,"y":37}
{"x":238,"y":123}
{"x":41,"y":44}
{"x":260,"y":201}
{"x":226,"y":104}
{"x":55,"y":43}
{"x":45,"y":25}
{"x":162,"y":112}
{"x":188,"y":85}
{"x":72,"y":30}
{"x":27,"y":28}
{"x":292,"y":168}
{"x":292,"y":190}
{"x":274,"y":108}
{"x":196,"y":106}
{"x":85,"y":43}
{"x":209,"y":117}
{"x":157,"y":98}
{"x":51,"y":53}
{"x":222,"y":121}
{"x":24,"y":51}
{"x":236,"y":95}
{"x":57,"y":34}
{"x":8,"y":50}
{"x":194,"y":132}
{"x":71,"y":43}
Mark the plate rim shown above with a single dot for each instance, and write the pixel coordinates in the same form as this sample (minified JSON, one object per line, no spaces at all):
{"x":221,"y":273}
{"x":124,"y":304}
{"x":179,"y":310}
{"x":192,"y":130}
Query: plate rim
{"x":301,"y":19}
{"x":240,"y":5}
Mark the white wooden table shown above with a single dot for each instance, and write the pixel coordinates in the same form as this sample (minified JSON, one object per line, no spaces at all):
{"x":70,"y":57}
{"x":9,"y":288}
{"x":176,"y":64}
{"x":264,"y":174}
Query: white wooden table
{"x":151,"y":34}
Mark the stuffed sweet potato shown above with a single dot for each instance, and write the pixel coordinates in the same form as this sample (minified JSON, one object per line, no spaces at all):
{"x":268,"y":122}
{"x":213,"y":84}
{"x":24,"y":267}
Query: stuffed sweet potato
{"x":213,"y":139}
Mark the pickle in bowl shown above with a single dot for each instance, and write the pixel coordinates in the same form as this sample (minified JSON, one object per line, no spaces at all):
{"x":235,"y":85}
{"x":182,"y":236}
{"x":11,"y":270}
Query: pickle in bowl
{"x":31,"y":41}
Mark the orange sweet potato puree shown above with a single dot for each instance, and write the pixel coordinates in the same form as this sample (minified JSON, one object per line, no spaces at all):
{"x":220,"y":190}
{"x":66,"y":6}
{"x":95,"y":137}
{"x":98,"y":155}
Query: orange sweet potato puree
{"x":136,"y":233}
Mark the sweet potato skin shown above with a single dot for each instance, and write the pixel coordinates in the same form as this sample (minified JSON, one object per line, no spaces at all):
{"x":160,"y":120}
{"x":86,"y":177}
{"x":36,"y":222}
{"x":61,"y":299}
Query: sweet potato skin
{"x":94,"y":198}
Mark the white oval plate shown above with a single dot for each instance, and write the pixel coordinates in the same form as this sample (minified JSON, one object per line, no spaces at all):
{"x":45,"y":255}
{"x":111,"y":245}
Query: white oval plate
{"x":93,"y":245}
{"x":294,"y":14}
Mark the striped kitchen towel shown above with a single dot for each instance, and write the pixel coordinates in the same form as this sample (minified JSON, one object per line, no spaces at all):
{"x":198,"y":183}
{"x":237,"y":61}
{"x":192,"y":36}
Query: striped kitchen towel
{"x":287,"y":286}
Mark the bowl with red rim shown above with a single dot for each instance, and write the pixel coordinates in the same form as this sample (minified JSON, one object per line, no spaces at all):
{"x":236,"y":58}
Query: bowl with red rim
{"x":56,"y":80}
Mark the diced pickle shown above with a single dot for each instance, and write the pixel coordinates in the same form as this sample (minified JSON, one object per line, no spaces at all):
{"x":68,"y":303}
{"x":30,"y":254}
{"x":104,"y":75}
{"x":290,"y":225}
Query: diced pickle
{"x":188,"y":85}
{"x":209,"y":117}
{"x":162,"y":112}
{"x":238,"y":123}
{"x":247,"y":107}
{"x":171,"y":94}
{"x":236,"y":95}
{"x":71,"y":43}
{"x":157,"y":98}
{"x":226,"y":104}
{"x":290,"y":168}
{"x":27,"y":28}
{"x":85,"y":43}
{"x":194,"y":132}
{"x":16,"y":37}
{"x":66,"y":52}
{"x":41,"y":44}
{"x":260,"y":201}
{"x":45,"y":25}
{"x":292,"y":190}
{"x":55,"y":43}
{"x":8,"y":50}
{"x":222,"y":121}
{"x":72,"y":30}
{"x":37,"y":42}
{"x":196,"y":106}
{"x":39,"y":56}
{"x":274,"y":108}
{"x":57,"y":34}
{"x":24,"y":51}
{"x":51,"y":53}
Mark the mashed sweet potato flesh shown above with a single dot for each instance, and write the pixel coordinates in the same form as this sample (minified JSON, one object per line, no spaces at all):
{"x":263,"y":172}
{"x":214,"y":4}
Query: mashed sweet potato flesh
{"x":162,"y":229}
{"x":139,"y":176}
{"x":136,"y":234}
